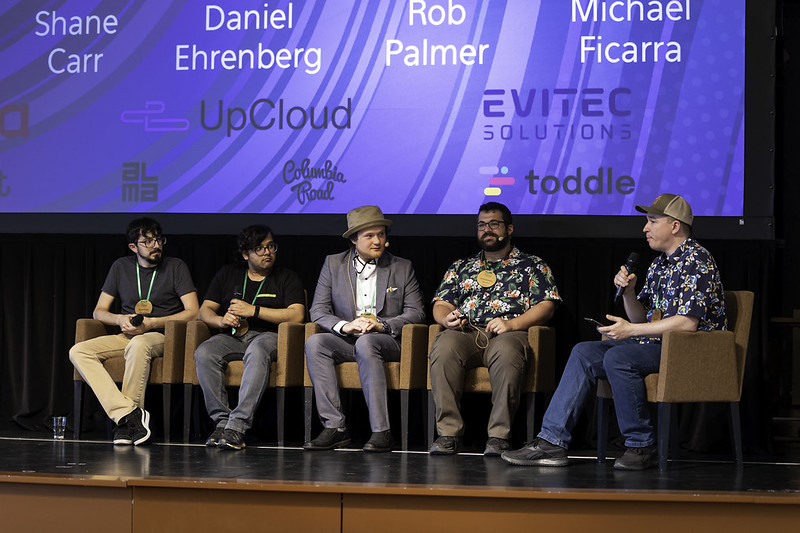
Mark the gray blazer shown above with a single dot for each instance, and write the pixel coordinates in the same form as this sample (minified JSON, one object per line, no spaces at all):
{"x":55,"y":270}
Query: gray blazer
{"x":398,"y":299}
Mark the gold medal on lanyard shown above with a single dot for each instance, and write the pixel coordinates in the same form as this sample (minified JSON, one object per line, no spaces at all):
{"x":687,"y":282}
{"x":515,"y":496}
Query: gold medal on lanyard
{"x":144,"y":306}
{"x":486,"y":278}
{"x":657,"y":315}
{"x":244,"y":326}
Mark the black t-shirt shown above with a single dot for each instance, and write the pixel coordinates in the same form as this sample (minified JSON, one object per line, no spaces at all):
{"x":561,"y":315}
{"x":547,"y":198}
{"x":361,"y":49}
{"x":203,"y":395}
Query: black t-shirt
{"x":172,"y":281}
{"x":282,"y":288}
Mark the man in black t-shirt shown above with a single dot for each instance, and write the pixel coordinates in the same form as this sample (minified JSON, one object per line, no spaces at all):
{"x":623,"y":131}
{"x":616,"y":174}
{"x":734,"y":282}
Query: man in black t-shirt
{"x":151,"y":290}
{"x":247,"y":301}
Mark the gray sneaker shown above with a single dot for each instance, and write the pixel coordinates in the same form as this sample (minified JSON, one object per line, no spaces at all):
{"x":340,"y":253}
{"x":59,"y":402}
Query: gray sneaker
{"x":638,"y":458}
{"x":537,"y":453}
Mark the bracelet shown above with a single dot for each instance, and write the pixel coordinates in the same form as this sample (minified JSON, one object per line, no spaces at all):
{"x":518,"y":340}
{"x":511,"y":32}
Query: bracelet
{"x":258,"y":310}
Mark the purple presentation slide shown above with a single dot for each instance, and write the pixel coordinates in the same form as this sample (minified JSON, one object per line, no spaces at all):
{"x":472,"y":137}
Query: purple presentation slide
{"x":567,"y":107}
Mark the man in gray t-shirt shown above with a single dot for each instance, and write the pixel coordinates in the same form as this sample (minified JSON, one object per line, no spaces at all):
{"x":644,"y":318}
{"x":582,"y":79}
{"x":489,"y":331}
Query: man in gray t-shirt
{"x":152,"y":290}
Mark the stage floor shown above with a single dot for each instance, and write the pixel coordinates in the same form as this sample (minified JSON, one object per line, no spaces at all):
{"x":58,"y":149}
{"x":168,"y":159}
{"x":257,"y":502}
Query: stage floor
{"x":263,"y":465}
{"x":188,"y":487}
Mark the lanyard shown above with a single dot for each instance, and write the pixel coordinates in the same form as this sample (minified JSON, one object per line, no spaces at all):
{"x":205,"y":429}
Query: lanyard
{"x":244,"y":287}
{"x":139,"y":282}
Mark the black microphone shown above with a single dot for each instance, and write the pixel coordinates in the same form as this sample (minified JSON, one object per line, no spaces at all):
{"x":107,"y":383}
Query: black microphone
{"x":136,"y":320}
{"x":631,"y":265}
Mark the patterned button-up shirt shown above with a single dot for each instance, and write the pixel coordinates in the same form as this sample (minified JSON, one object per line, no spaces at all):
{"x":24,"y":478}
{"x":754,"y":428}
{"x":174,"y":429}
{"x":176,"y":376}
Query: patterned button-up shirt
{"x":523,"y":281}
{"x":685,"y":283}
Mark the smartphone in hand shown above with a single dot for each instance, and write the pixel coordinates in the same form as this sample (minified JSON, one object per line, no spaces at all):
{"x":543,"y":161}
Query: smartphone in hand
{"x":595,"y":322}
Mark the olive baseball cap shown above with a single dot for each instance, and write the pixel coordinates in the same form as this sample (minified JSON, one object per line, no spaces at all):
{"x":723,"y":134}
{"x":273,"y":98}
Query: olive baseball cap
{"x":671,"y":205}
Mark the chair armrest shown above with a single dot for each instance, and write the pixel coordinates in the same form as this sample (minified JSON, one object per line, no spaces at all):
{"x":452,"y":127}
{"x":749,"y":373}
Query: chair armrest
{"x":290,"y":356}
{"x":311,"y":328}
{"x":541,"y":375}
{"x":413,"y":356}
{"x":698,"y":366}
{"x":89,"y":328}
{"x":174,"y":348}
{"x":196,"y":333}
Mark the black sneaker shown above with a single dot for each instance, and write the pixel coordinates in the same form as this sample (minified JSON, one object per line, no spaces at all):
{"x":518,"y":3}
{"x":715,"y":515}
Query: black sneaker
{"x":138,"y":422}
{"x":213,"y":440}
{"x":638,"y":458}
{"x":329,"y":439}
{"x":445,"y":446}
{"x":537,"y":453}
{"x":231,"y":440}
{"x":380,"y":441}
{"x":122,"y":435}
{"x":496,"y":446}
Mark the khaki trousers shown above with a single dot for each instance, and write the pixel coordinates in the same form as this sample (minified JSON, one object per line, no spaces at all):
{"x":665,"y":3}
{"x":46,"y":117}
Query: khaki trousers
{"x":88,"y":357}
{"x":455,"y":352}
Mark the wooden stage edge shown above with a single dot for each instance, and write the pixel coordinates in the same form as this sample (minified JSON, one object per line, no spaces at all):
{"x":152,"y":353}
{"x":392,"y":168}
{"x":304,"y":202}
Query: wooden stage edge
{"x":38,"y":502}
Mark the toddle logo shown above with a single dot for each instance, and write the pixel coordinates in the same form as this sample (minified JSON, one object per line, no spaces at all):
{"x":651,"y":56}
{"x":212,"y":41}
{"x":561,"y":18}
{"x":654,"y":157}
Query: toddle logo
{"x":302,"y":178}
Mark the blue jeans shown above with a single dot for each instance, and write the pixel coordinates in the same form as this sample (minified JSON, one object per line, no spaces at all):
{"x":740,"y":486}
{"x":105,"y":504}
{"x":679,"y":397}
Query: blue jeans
{"x":256,"y":349}
{"x":624,"y":364}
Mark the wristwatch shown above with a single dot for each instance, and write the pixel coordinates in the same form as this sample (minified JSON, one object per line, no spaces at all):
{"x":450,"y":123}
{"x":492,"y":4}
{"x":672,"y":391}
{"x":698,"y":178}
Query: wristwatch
{"x":385,"y":326}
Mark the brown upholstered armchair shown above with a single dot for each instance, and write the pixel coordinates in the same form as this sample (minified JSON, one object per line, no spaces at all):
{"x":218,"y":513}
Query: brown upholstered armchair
{"x":164,"y":371}
{"x":540,"y":375}
{"x":285,"y":371}
{"x":403,"y":375}
{"x":699,"y":366}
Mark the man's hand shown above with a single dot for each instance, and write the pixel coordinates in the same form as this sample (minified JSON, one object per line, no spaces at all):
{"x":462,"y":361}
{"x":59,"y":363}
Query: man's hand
{"x":498,"y":325}
{"x":455,"y":320}
{"x":240,"y":308}
{"x":620,"y":330}
{"x":129,"y":329}
{"x":624,"y":279}
{"x":230,"y":320}
{"x":362,"y":325}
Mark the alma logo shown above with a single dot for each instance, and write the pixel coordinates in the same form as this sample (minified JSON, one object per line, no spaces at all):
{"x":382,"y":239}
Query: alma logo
{"x":8,"y":114}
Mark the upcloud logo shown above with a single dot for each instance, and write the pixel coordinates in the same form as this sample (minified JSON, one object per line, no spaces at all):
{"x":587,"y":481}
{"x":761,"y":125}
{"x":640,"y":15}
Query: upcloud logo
{"x":312,"y":183}
{"x":265,"y":114}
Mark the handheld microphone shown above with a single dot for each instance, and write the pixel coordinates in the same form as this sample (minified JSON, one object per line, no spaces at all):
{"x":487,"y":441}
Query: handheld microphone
{"x":631,"y":265}
{"x":136,"y":320}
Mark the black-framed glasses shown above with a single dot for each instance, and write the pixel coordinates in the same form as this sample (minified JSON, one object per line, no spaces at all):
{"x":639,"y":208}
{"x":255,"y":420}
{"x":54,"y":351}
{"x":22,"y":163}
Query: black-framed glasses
{"x":262,"y":250}
{"x":493,"y":224}
{"x":151,"y":243}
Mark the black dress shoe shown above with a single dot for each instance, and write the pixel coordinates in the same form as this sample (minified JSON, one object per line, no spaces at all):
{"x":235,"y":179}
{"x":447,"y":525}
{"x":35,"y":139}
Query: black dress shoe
{"x":380,"y":441}
{"x":495,"y":447}
{"x":329,"y":439}
{"x":445,"y":446}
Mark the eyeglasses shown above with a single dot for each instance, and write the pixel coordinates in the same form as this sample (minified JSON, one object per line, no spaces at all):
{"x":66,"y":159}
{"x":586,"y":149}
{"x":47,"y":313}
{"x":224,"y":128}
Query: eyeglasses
{"x":493,"y":224}
{"x":151,"y":243}
{"x":262,"y":250}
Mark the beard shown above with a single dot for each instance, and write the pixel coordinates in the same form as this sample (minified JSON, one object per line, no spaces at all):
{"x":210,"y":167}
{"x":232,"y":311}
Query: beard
{"x":492,"y":245}
{"x":153,"y":258}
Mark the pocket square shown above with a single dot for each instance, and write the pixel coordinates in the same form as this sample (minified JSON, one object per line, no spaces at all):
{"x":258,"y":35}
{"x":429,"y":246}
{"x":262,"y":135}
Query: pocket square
{"x":391,"y":289}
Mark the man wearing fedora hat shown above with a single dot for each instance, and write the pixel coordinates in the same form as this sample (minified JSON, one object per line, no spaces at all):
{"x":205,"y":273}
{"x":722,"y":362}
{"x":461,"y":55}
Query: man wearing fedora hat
{"x":682,"y":292}
{"x":363,"y":299}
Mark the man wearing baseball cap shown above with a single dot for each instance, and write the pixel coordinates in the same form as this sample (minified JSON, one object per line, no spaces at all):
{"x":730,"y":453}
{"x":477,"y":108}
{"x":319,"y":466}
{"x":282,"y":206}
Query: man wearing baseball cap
{"x":363,"y":299}
{"x":682,"y":291}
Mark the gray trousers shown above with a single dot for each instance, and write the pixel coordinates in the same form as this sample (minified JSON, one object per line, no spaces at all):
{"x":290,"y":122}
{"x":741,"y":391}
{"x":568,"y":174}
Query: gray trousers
{"x":256,"y":349}
{"x":325,"y":350}
{"x":455,"y":352}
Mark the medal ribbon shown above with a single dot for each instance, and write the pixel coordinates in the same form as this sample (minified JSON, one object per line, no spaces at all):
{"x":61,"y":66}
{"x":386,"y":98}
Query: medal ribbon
{"x":139,"y":282}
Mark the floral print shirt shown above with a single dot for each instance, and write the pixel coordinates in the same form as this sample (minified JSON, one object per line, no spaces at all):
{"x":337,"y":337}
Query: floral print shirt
{"x":685,"y":283}
{"x":523,"y":281}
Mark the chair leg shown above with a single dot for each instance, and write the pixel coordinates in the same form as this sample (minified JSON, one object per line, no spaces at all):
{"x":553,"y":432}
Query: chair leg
{"x":280,"y":405}
{"x":664,"y":426}
{"x":166,"y":393}
{"x":673,"y":432}
{"x":431,"y":426}
{"x":736,"y":433}
{"x":308,"y":401}
{"x":404,"y":418}
{"x":187,"y":410}
{"x":77,"y":407}
{"x":603,"y":412}
{"x":531,"y":412}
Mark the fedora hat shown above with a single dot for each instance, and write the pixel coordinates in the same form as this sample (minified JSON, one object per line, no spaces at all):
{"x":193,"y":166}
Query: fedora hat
{"x":364,"y":217}
{"x":670,"y":205}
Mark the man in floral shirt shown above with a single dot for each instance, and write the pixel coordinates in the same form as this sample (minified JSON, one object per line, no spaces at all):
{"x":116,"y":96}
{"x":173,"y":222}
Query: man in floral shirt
{"x":682,"y":292}
{"x":486,"y":303}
